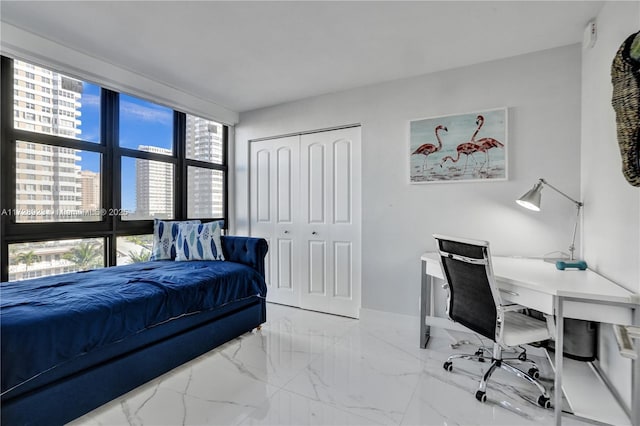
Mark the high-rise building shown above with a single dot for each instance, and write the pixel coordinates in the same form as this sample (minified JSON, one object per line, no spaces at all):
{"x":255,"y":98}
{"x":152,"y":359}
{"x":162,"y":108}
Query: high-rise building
{"x":205,"y":186}
{"x":154,"y":186}
{"x":47,"y":177}
{"x":90,"y":190}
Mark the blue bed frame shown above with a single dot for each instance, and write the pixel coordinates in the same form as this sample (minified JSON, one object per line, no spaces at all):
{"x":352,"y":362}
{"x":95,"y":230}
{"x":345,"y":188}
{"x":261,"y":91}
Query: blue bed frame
{"x":159,"y":351}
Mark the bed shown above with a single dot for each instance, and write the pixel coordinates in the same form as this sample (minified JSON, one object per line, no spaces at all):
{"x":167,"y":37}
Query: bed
{"x":73,"y":342}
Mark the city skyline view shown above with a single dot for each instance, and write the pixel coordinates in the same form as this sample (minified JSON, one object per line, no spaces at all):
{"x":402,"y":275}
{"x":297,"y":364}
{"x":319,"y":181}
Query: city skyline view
{"x":58,"y":183}
{"x":141,"y":123}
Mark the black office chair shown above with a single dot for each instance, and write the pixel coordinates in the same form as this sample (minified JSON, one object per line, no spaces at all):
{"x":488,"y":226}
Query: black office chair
{"x":474,"y":301}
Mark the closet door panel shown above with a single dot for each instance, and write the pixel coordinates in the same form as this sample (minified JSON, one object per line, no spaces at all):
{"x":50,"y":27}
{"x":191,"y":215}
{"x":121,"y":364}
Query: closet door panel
{"x":273,"y":190}
{"x":263,"y":187}
{"x":317,"y":268}
{"x":316,"y":186}
{"x":331,"y":207}
{"x":342,"y":267}
{"x":284,"y":185}
{"x":342,"y":184}
{"x":285,"y":264}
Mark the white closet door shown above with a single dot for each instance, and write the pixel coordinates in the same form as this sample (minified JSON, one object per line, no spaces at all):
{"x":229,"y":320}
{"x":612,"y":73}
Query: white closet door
{"x":330,"y":220}
{"x":274,"y":186}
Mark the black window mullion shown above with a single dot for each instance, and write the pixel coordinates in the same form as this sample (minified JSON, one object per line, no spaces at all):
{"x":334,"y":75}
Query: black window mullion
{"x":153,"y":156}
{"x":111,"y":184}
{"x":7,"y":161}
{"x":225,"y":176}
{"x":180,"y":150}
{"x":42,"y":138}
{"x":205,"y":165}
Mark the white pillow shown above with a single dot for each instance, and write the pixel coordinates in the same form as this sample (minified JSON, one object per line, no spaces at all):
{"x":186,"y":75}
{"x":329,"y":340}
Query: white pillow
{"x":165,"y":233}
{"x":199,"y":242}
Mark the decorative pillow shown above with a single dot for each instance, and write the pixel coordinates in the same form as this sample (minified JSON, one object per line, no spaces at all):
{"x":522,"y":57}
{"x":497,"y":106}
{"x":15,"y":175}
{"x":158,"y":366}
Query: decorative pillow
{"x":164,"y":238}
{"x":199,"y":242}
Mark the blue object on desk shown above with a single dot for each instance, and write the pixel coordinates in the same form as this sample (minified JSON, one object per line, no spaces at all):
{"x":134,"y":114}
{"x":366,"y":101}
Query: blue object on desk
{"x":578,"y":264}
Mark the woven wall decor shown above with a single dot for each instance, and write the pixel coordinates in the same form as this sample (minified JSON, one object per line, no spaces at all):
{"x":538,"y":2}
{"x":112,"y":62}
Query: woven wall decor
{"x":625,"y":76}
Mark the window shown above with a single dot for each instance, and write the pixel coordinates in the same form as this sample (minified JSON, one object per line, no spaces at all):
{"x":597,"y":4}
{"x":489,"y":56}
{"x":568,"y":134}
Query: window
{"x":86,"y":103}
{"x":99,"y":174}
{"x":206,"y":168}
{"x":43,"y":258}
{"x":204,"y":140}
{"x":83,"y":177}
{"x":147,"y":189}
{"x":145,"y":126}
{"x":134,"y":249}
{"x":205,"y":190}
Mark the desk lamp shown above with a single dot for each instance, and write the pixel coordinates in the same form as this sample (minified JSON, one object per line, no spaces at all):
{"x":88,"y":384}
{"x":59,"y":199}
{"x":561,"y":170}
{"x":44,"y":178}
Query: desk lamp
{"x":531,"y":201}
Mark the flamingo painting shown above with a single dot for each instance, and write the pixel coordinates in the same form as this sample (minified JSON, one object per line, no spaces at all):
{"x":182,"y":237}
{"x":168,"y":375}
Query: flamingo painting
{"x":429,"y":148}
{"x":481,"y":135}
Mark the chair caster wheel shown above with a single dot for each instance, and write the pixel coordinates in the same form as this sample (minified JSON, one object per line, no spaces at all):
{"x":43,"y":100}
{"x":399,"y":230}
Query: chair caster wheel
{"x":448,"y":365}
{"x":543,"y":401}
{"x":482,"y":396}
{"x":533,"y":372}
{"x":480,"y":354}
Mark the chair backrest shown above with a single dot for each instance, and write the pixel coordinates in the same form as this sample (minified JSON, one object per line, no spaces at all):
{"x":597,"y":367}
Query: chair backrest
{"x":473,"y":294}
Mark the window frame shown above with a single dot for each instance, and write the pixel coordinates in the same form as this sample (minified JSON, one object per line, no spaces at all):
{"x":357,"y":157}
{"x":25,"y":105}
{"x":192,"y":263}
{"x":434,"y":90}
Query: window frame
{"x":110,"y":227}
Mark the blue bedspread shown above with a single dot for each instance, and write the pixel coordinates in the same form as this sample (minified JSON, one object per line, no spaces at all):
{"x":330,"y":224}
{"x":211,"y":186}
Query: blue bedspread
{"x":52,"y":320}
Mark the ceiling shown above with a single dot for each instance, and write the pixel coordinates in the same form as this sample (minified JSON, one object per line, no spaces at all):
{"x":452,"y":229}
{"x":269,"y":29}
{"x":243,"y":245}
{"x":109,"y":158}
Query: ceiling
{"x":245,"y":55}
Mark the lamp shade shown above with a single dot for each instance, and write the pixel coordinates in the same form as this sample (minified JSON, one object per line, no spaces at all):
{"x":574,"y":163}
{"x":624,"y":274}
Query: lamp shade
{"x":531,"y":200}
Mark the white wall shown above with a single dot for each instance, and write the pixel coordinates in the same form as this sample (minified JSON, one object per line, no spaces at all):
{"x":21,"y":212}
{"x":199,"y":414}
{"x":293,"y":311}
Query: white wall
{"x":612,"y":206}
{"x":542,"y":91}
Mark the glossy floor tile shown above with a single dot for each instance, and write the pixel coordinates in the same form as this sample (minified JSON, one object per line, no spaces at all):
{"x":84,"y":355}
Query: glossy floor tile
{"x":307,"y":368}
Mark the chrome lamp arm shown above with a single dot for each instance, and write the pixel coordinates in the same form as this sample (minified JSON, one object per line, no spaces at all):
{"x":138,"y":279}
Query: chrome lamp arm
{"x":531,"y":200}
{"x":579,"y":204}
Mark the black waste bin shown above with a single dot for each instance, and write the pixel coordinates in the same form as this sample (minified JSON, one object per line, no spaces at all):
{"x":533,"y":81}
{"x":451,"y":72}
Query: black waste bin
{"x":580,"y":339}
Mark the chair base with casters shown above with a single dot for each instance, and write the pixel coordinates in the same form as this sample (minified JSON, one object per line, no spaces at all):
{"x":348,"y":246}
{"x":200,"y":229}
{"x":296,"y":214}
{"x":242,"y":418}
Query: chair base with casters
{"x":474,"y":301}
{"x":498,"y":361}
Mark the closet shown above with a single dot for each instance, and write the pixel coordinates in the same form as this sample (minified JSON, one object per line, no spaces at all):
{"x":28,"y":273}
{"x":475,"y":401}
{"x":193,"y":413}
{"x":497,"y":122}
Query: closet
{"x":305,"y":200}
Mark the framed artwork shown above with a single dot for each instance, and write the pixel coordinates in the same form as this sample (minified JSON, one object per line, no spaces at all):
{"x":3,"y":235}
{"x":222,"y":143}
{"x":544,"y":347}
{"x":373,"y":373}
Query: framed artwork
{"x":463,"y":147}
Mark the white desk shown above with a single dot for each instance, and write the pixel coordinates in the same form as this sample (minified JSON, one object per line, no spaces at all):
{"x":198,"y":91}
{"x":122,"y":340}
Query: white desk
{"x":566,"y":294}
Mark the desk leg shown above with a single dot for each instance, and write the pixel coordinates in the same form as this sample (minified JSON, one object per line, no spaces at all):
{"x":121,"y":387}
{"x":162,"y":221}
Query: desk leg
{"x":425,"y":305}
{"x":635,"y":376}
{"x":557,"y":402}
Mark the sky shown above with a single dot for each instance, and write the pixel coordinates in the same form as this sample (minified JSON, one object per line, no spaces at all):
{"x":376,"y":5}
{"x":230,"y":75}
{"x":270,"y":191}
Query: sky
{"x":141,"y":123}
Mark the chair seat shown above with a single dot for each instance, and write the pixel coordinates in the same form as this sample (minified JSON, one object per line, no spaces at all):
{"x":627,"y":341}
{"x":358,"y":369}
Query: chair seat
{"x":520,"y":329}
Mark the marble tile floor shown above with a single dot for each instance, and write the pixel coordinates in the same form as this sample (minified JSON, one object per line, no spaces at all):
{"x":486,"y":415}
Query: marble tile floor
{"x":308,"y":368}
